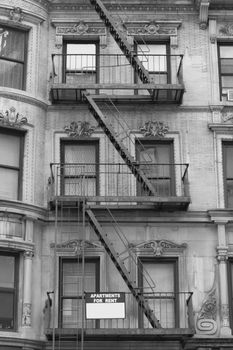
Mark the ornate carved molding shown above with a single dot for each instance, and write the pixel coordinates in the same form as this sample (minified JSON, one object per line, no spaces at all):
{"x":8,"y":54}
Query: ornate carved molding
{"x":16,"y":14}
{"x":222,"y":254}
{"x":76,"y":245}
{"x":27,"y":314}
{"x":154,"y":128}
{"x":78,"y":129}
{"x":81,"y":28}
{"x":156,"y":29}
{"x":206,"y":319}
{"x":226,"y":30}
{"x":159,"y":247}
{"x":11,"y":118}
{"x":28,"y":254}
{"x":203,"y":13}
{"x":227,"y":117}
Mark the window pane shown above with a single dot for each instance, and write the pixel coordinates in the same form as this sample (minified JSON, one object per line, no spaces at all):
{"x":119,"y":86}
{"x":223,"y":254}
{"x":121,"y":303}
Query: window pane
{"x":11,"y":74}
{"x":81,"y":57}
{"x":227,"y":66}
{"x":80,"y":154}
{"x":153,"y":57}
{"x":72,"y":278}
{"x":226,"y":51}
{"x":227,"y":81}
{"x":10,"y":143}
{"x":229,"y":193}
{"x":229,"y":161}
{"x":7,"y":271}
{"x":12,"y":44}
{"x":9,"y":183}
{"x":6,"y":310}
{"x":161,"y":273}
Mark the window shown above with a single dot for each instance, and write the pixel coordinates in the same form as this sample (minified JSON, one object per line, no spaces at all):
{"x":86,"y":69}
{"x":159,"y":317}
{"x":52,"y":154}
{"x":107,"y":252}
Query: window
{"x":79,"y":167}
{"x":80,"y":62}
{"x":71,"y":289}
{"x":156,"y":159}
{"x":228,"y":173}
{"x":11,"y":154}
{"x":163,"y":274}
{"x":8,"y":290}
{"x":225,"y":52}
{"x":12,"y":57}
{"x":154,"y":58}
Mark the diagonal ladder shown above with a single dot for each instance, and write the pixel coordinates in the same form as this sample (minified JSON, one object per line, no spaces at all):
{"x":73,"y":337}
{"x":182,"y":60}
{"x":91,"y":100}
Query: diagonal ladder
{"x":119,"y":145}
{"x":122,"y":269}
{"x":122,"y":43}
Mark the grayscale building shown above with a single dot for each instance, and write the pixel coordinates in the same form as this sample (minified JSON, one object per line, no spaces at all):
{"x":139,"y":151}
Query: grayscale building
{"x":116,"y":174}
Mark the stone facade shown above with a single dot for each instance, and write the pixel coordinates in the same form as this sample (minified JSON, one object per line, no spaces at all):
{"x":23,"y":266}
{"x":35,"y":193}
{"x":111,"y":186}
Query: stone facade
{"x":199,"y":238}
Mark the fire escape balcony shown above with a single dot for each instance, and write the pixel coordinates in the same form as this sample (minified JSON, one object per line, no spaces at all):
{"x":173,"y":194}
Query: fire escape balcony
{"x":113,"y":74}
{"x":174,"y":310}
{"x":114,"y":183}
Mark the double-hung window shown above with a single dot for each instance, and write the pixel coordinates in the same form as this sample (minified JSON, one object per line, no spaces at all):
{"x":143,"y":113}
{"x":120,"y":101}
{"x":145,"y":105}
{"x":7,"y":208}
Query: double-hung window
{"x":79,"y":62}
{"x":162,"y":275}
{"x":11,"y":154}
{"x":154,"y":58}
{"x":12,"y":57}
{"x":79,"y":167}
{"x":225,"y":52}
{"x":228,"y":173}
{"x":156,"y":162}
{"x":75,"y":279}
{"x":8,"y":290}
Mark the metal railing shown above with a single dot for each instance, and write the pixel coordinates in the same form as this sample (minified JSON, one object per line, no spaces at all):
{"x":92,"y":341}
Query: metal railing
{"x":116,"y":181}
{"x":114,"y":69}
{"x":173,"y":310}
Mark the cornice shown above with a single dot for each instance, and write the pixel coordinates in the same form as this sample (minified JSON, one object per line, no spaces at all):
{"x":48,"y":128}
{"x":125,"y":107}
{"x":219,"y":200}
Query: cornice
{"x":129,"y":7}
{"x":27,"y":210}
{"x":22,"y":96}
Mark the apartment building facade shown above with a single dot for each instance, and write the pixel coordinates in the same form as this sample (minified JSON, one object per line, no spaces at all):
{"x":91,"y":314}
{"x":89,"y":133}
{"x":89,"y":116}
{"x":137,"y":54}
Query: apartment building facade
{"x":116,"y":153}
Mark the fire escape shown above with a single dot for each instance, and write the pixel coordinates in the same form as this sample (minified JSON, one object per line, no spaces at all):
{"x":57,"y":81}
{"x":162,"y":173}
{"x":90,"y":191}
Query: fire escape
{"x":82,"y":94}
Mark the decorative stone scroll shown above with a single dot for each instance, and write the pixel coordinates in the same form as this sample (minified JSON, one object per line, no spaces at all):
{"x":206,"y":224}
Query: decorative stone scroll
{"x":81,"y":28}
{"x":78,"y":129}
{"x":11,"y":118}
{"x":76,"y":245}
{"x":155,"y":29}
{"x":206,"y":319}
{"x":159,"y":247}
{"x":154,"y":128}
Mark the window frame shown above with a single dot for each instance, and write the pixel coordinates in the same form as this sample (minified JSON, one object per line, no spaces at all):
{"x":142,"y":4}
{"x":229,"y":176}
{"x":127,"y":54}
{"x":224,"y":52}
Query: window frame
{"x":21,"y":135}
{"x":166,"y":43}
{"x":14,"y":290}
{"x":78,"y":259}
{"x":22,"y":62}
{"x":81,"y":42}
{"x":163,"y":260}
{"x":222,"y":43}
{"x":230,"y":289}
{"x":226,"y":144}
{"x":80,"y":141}
{"x":149,"y":142}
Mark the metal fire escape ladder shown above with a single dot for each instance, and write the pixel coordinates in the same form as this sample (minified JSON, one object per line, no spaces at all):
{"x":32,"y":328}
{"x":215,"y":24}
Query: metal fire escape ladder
{"x":122,"y":269}
{"x":122,"y":43}
{"x":119,"y":146}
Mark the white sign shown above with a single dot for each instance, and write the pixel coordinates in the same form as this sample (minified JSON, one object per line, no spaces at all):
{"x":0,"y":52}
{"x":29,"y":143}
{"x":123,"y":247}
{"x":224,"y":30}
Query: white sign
{"x":105,"y":305}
